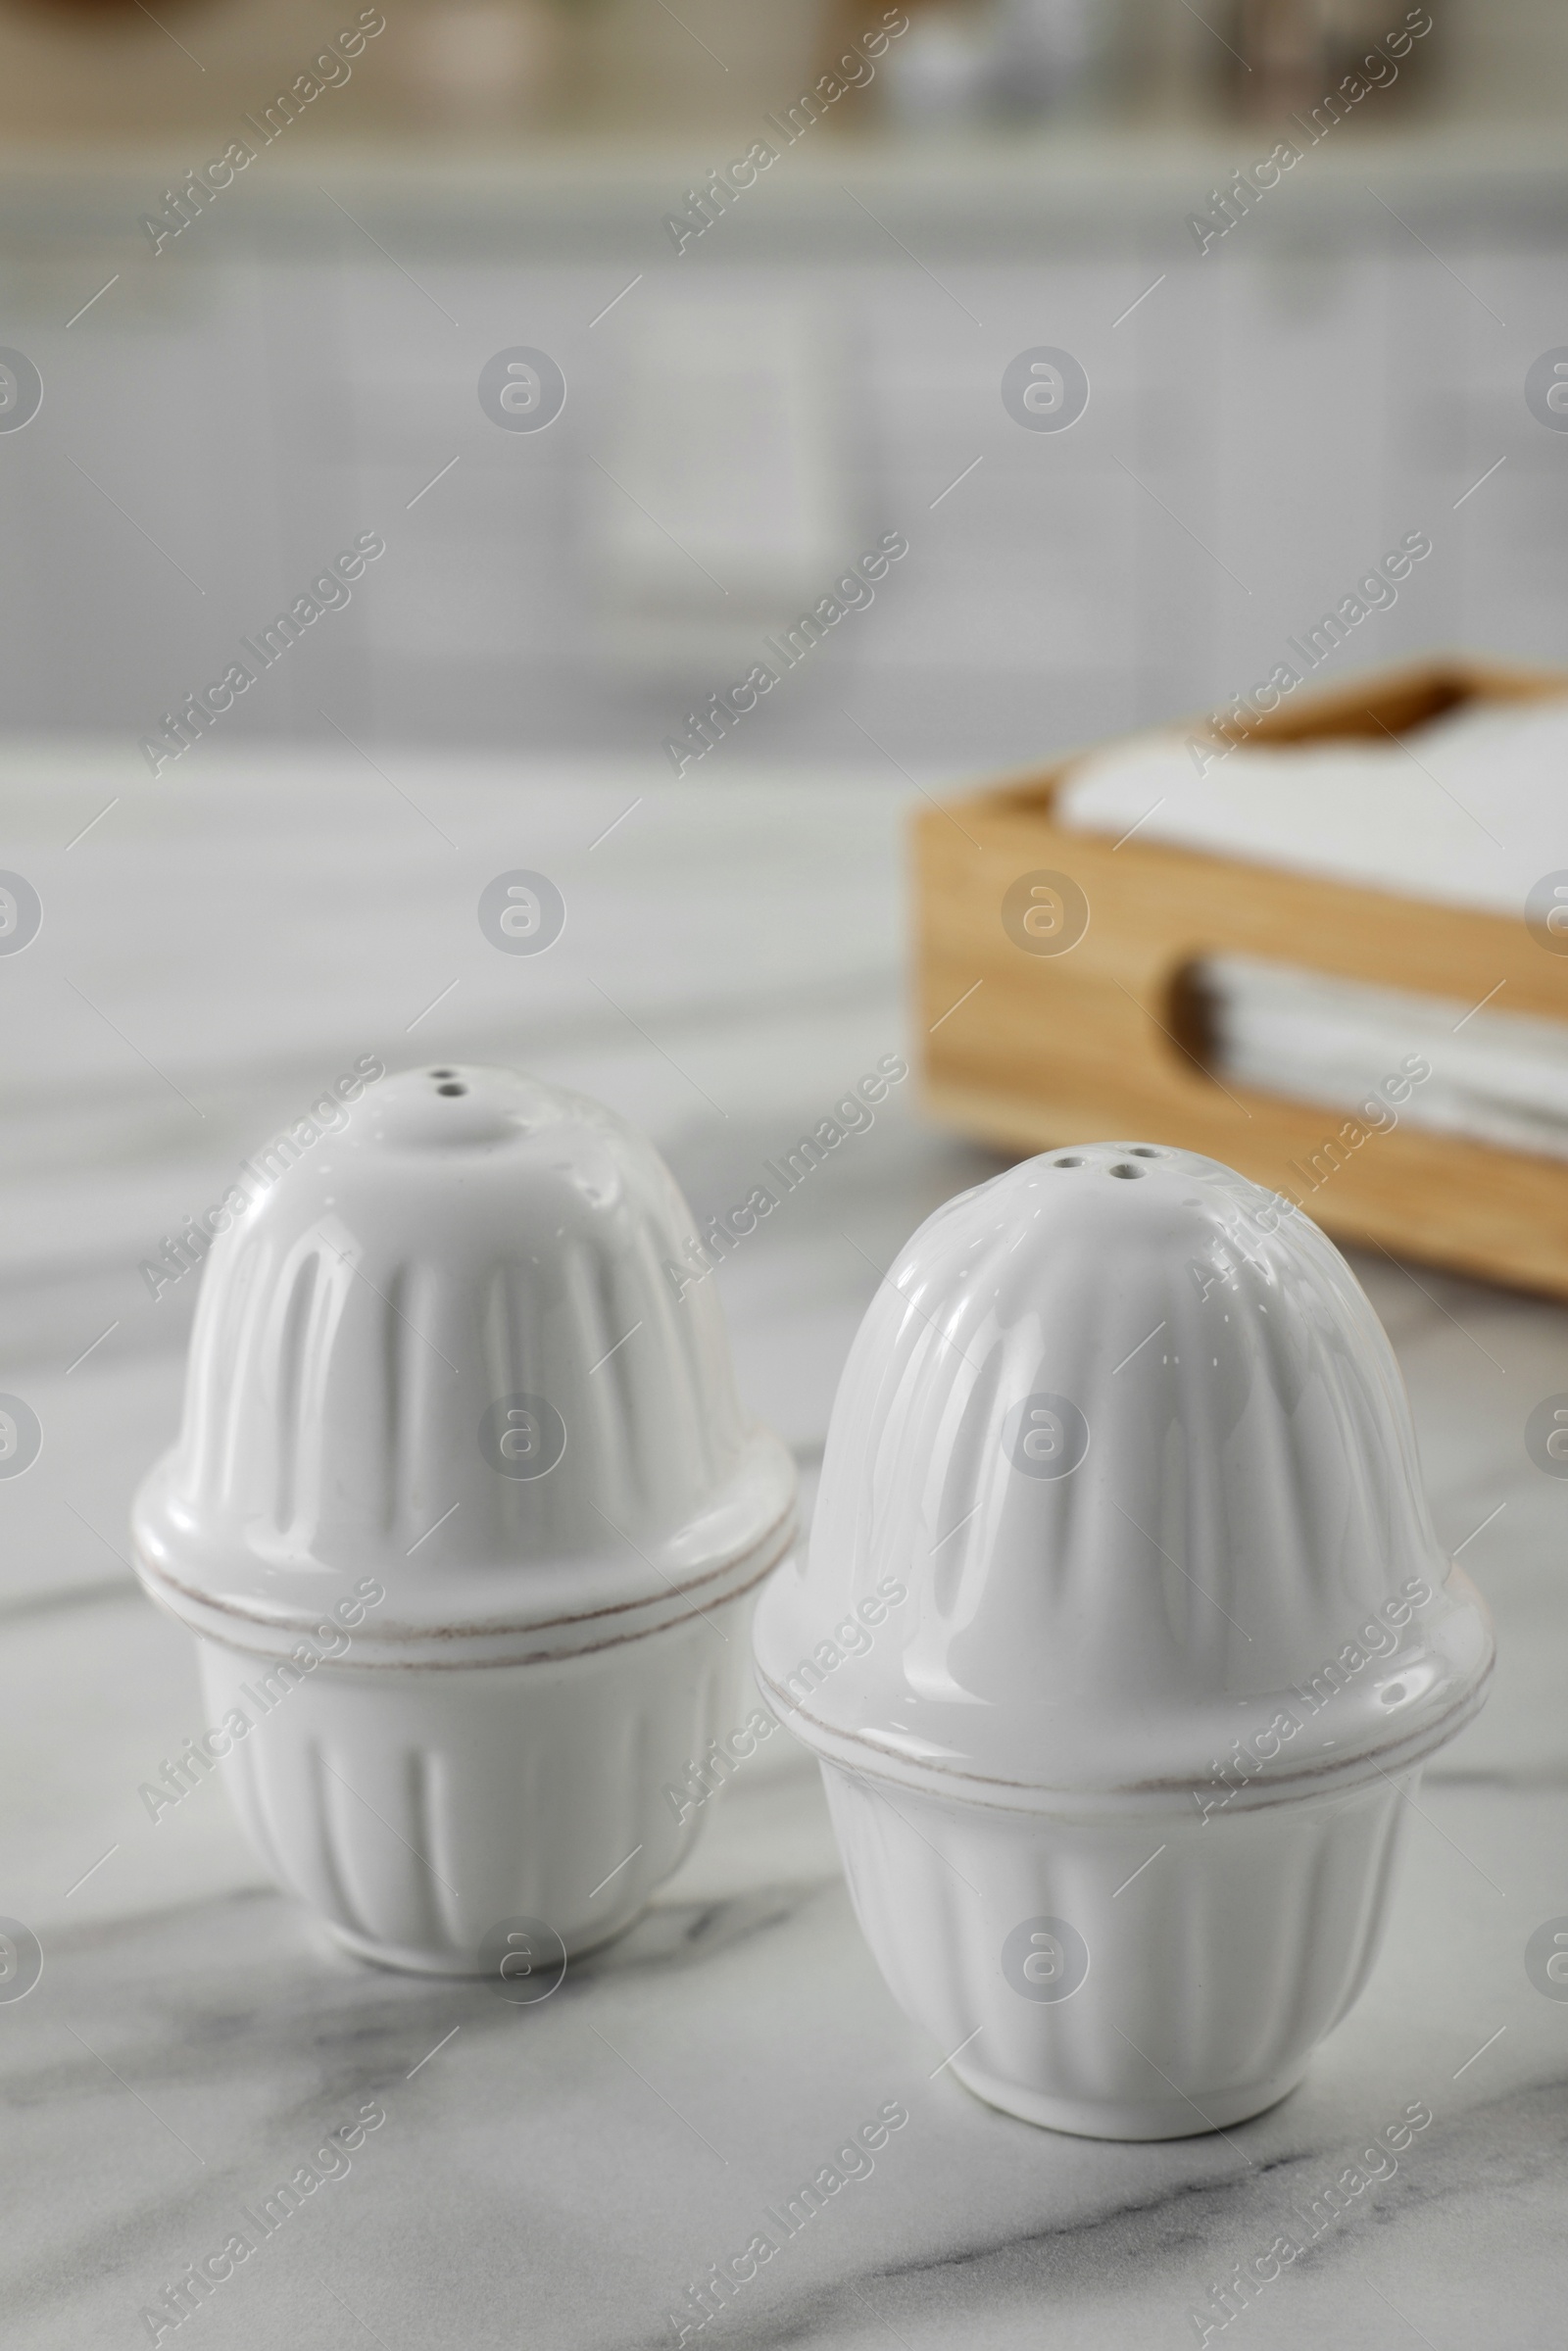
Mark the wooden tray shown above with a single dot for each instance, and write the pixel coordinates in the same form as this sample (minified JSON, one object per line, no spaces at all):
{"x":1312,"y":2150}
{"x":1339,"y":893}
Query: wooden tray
{"x":1030,"y":1051}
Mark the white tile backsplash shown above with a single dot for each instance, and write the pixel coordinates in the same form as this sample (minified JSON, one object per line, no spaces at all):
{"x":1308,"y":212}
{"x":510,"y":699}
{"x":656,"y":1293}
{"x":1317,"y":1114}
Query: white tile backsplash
{"x":1260,"y":424}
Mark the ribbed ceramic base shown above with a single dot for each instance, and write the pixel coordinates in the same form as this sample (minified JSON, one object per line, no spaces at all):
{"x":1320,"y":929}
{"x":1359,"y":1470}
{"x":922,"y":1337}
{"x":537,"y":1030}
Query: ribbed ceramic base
{"x":1128,"y":2118}
{"x":417,"y":1811}
{"x":1132,"y":1974}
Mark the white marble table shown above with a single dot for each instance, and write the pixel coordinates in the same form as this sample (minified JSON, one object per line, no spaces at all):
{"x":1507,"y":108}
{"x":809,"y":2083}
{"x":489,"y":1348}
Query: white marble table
{"x":560,"y":2174}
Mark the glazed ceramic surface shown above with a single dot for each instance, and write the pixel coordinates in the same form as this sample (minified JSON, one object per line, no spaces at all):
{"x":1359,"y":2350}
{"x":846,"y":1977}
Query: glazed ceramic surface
{"x":416,"y":1810}
{"x":465,"y":1512}
{"x":1123,"y":1634}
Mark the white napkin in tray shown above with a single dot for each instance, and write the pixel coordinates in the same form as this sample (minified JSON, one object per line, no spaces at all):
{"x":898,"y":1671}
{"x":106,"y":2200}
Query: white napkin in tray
{"x":1388,"y":1056}
{"x":1471,"y":810}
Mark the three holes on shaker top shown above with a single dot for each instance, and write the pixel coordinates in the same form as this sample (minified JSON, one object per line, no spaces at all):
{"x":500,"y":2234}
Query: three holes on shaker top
{"x":1139,"y":1151}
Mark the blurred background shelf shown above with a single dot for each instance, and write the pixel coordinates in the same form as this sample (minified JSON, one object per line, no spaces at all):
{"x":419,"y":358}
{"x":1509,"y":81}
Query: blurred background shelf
{"x":462,"y":68}
{"x":1088,"y":175}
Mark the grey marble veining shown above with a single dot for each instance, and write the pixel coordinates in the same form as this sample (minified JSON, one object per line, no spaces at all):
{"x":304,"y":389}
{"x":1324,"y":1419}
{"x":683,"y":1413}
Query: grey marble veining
{"x":564,"y":2173}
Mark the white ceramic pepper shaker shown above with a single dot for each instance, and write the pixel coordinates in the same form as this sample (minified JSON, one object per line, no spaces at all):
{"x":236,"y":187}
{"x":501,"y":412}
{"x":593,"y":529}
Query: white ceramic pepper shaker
{"x":465,"y":1517}
{"x":1122,"y":1638}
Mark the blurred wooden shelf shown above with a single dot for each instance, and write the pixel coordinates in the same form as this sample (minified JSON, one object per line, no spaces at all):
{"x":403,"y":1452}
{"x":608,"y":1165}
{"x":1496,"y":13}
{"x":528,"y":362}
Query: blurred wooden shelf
{"x":1103,"y":1039}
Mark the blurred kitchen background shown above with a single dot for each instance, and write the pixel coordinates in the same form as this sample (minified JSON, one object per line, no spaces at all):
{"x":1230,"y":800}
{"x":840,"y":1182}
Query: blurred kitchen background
{"x":750,"y":407}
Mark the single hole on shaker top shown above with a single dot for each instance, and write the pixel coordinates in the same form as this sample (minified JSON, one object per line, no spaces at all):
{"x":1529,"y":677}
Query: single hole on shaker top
{"x":1066,"y":1162}
{"x":1394,"y":1693}
{"x":1121,"y":1168}
{"x":1146,"y":1150}
{"x":451,"y":1089}
{"x":442,"y":1073}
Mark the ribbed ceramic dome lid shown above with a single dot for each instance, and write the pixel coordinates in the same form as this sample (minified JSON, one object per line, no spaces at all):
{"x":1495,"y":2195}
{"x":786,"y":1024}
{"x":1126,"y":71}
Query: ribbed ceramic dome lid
{"x":442,"y":1350}
{"x":1125,"y":1431}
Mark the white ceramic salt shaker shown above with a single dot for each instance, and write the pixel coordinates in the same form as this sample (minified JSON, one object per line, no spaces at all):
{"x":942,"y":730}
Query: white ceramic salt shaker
{"x":467,"y":1520}
{"x":1122,"y":1638}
